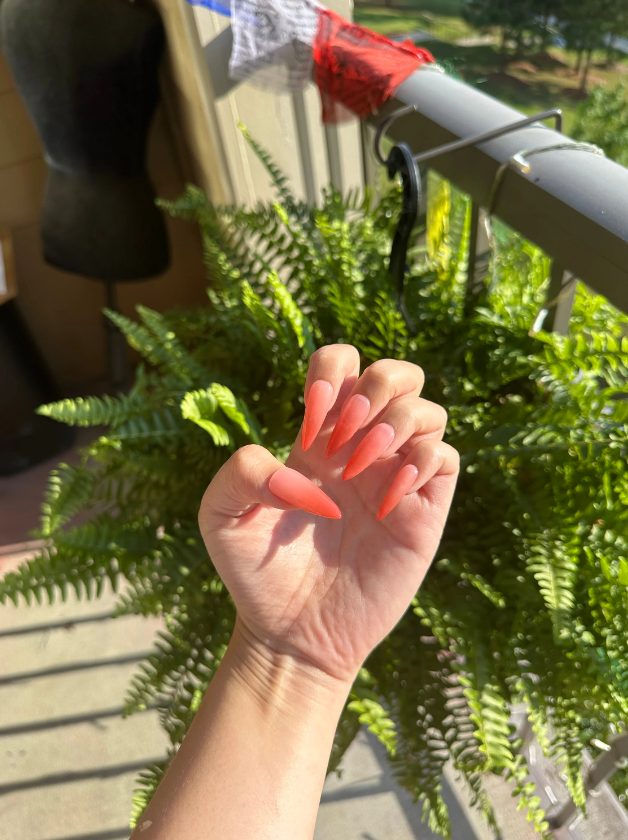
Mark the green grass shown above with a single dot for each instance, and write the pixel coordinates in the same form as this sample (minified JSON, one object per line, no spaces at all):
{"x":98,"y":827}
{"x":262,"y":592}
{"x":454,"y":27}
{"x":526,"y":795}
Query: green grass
{"x":442,"y":20}
{"x":448,"y":8}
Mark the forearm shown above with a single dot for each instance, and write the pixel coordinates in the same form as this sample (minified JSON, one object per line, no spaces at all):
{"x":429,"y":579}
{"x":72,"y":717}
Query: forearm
{"x":253,"y":763}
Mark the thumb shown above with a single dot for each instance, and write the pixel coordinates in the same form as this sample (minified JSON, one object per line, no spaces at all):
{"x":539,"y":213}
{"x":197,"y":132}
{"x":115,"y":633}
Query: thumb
{"x":252,"y":476}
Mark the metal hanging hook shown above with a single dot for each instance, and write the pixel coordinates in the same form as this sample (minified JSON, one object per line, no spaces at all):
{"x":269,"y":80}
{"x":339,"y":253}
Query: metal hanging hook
{"x":400,"y":162}
{"x":384,"y":125}
{"x":554,"y":113}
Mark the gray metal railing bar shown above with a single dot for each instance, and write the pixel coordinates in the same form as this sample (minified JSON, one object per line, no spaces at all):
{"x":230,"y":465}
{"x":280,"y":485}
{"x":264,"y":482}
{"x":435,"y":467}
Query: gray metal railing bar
{"x":572,"y":204}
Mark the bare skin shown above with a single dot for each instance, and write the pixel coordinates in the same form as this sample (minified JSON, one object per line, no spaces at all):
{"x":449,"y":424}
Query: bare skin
{"x":314,"y":596}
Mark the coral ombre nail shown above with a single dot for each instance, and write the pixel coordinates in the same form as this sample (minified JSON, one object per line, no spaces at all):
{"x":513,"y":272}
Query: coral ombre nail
{"x":354,"y":413}
{"x":320,"y":399}
{"x":295,"y":489}
{"x":374,"y":444}
{"x":404,"y":480}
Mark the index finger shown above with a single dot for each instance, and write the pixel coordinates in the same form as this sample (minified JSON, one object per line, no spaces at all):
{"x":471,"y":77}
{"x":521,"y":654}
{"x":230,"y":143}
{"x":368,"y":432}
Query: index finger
{"x":333,"y":371}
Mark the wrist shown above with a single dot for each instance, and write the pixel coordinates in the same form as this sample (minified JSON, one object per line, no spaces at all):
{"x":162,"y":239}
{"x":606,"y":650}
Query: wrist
{"x":282,"y":682}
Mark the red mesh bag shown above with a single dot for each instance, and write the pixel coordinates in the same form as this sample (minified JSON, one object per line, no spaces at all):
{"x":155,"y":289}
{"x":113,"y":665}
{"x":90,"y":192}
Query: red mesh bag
{"x":357,"y":69}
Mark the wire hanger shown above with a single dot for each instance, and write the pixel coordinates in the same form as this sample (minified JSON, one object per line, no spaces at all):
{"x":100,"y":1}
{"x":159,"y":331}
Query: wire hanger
{"x":455,"y":145}
{"x":402,"y":161}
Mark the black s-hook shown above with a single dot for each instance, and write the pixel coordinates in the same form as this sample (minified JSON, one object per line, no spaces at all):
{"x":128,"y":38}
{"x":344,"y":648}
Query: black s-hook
{"x":401,"y":161}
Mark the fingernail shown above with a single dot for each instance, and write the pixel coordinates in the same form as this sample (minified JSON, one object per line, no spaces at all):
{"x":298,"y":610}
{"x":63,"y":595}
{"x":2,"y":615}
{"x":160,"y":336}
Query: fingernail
{"x":404,"y":480}
{"x":295,"y":489}
{"x":354,"y":413}
{"x":374,"y":444}
{"x":320,"y":399}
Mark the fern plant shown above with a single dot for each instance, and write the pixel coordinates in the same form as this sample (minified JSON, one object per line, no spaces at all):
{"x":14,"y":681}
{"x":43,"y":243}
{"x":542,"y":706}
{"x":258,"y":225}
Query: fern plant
{"x":528,"y":597}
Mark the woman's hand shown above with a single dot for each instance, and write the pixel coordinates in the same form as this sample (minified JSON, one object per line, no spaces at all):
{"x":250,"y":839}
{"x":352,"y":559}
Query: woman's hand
{"x":327,"y":590}
{"x":314,"y":595}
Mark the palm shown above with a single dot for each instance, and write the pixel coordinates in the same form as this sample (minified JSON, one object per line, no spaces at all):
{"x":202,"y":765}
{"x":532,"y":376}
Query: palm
{"x":330,"y":590}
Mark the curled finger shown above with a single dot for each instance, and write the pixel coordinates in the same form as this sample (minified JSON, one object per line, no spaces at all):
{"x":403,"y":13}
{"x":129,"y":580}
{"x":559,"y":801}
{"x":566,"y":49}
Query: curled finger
{"x":407,"y":420}
{"x":380,"y":384}
{"x":331,"y":374}
{"x":427,"y":460}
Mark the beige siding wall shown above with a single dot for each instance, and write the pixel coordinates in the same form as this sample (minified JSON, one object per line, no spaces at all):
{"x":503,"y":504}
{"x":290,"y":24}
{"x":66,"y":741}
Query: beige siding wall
{"x":274,"y":121}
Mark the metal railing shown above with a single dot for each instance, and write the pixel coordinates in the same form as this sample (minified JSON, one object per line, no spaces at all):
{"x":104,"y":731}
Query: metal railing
{"x":571,"y":203}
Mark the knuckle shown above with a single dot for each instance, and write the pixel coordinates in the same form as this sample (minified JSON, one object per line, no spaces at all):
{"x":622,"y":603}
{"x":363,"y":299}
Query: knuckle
{"x":451,"y":454}
{"x":352,"y":352}
{"x":442,"y":415}
{"x":390,"y":371}
{"x":378,"y":374}
{"x":319,"y":354}
{"x":248,"y":456}
{"x":433,"y":449}
{"x":428,"y":413}
{"x":418,"y":372}
{"x":330,"y":351}
{"x":428,"y":446}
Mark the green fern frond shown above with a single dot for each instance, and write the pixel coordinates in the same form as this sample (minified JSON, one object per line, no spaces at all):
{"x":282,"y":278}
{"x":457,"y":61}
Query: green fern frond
{"x":278,"y":179}
{"x":181,"y":363}
{"x":555,"y":572}
{"x":491,"y":717}
{"x":94,"y":411}
{"x":163,"y":424}
{"x":200,"y":407}
{"x":292,"y":314}
{"x":147,"y":783}
{"x":372,"y":714}
{"x":189,"y":206}
{"x":158,"y":345}
{"x":54,"y":572}
{"x":69,"y":490}
{"x":237,"y":411}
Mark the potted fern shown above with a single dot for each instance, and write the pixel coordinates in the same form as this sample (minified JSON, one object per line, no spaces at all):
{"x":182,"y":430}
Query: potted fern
{"x":527,"y":600}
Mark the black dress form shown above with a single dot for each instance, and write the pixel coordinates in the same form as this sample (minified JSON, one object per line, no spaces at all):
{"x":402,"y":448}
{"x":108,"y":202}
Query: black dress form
{"x":87,"y":71}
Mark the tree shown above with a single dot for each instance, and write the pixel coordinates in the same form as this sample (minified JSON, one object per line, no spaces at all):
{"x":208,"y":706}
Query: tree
{"x":586,"y":25}
{"x":520,"y":21}
{"x":512,"y":18}
{"x":602,"y":119}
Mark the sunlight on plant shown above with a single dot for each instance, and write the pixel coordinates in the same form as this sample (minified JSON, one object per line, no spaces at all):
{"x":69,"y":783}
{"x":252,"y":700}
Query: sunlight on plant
{"x":527,"y":599}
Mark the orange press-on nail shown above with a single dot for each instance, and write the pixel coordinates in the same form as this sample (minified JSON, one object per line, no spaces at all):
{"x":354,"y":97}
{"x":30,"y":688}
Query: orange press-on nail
{"x":404,"y":480}
{"x":374,"y":444}
{"x":295,"y":489}
{"x":354,"y":413}
{"x":320,"y":399}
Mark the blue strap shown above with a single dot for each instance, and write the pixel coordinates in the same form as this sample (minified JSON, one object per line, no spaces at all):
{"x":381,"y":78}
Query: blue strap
{"x":213,"y":6}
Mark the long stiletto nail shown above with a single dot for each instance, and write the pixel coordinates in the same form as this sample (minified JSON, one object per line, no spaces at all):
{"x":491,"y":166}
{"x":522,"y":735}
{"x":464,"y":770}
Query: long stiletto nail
{"x":374,"y":444}
{"x":354,"y":413}
{"x":292,"y":487}
{"x":320,"y":399}
{"x":404,"y":480}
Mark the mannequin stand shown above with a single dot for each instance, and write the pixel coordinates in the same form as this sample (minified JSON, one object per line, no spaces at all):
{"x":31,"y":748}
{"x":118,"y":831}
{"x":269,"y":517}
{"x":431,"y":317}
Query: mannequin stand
{"x":117,"y":349}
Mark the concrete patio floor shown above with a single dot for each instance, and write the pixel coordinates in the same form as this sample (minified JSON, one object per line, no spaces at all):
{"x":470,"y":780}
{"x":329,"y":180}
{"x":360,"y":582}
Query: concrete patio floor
{"x":69,"y":762}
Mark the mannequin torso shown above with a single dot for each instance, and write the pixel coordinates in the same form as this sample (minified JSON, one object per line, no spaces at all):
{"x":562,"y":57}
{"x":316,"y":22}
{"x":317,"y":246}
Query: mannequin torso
{"x":87,"y":70}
